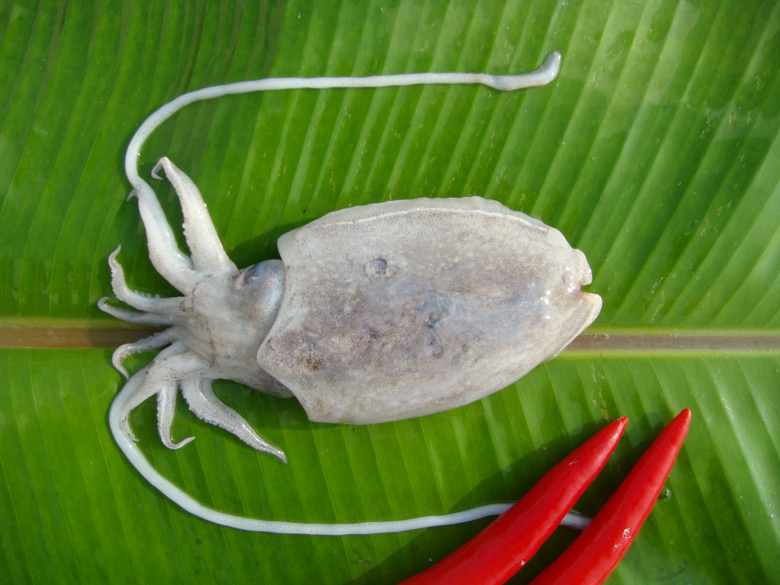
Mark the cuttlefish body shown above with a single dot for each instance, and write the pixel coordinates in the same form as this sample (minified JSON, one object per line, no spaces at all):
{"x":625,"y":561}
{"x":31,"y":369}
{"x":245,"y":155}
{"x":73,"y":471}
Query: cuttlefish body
{"x":374,"y":313}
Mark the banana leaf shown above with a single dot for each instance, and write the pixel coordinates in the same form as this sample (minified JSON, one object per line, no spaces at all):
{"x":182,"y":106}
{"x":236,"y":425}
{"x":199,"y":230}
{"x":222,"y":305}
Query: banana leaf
{"x":656,"y":151}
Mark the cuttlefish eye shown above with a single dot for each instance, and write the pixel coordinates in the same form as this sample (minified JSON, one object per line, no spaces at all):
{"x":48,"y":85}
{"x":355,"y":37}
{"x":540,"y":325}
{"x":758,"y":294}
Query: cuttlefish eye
{"x":256,"y":272}
{"x":262,"y":286}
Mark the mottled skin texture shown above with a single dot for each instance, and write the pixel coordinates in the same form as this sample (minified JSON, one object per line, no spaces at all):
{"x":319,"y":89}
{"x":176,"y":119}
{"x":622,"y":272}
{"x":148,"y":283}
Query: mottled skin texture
{"x":374,"y":313}
{"x":410,"y":307}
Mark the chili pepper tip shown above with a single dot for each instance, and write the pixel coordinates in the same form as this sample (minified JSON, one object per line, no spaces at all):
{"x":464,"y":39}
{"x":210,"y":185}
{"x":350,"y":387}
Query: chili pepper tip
{"x":601,"y":546}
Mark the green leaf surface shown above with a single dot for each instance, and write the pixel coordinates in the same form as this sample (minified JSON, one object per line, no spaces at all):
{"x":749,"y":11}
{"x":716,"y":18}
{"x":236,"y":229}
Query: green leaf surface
{"x":656,"y":152}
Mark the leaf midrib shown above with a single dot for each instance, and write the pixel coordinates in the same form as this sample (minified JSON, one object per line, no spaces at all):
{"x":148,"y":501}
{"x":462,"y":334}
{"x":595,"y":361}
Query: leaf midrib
{"x":39,"y":333}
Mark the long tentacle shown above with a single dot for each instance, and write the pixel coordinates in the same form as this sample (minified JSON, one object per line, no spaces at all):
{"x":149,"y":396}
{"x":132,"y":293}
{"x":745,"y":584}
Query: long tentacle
{"x":541,"y":76}
{"x":202,"y":239}
{"x":129,"y":389}
{"x":191,"y":505}
{"x":206,"y":406}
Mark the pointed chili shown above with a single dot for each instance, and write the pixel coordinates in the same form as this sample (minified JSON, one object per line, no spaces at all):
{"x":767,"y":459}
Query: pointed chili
{"x":601,"y":546}
{"x":501,"y":549}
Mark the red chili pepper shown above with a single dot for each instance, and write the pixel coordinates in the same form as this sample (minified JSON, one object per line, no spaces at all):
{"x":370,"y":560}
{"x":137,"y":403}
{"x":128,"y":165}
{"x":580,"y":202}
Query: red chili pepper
{"x":501,"y":549}
{"x":598,"y":550}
